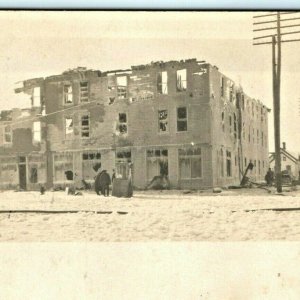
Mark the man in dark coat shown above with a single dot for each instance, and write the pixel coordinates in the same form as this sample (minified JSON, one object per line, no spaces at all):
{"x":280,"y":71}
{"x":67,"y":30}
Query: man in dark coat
{"x":102,"y":183}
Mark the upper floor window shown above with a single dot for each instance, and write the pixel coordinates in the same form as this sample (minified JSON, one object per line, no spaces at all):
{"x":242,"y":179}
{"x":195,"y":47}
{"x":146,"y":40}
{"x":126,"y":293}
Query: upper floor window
{"x":231,"y":90}
{"x":122,"y":87}
{"x":84,"y":91}
{"x":85,"y":126}
{"x":68,"y":126}
{"x":7,"y":134}
{"x":163,"y":120}
{"x":230,"y":124}
{"x":181,"y":80}
{"x":36,"y":97}
{"x":162,"y":82}
{"x":122,"y":126}
{"x":222,"y":86}
{"x":235,"y":126}
{"x":37,"y":131}
{"x":181,"y":119}
{"x":223,"y":123}
{"x":68,"y":94}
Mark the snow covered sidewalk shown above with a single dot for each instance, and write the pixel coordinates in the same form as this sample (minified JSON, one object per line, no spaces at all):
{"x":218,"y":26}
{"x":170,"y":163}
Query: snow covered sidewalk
{"x":155,"y":216}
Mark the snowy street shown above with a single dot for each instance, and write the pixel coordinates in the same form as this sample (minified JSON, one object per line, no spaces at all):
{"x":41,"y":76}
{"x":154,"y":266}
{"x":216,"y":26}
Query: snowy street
{"x":150,"y":216}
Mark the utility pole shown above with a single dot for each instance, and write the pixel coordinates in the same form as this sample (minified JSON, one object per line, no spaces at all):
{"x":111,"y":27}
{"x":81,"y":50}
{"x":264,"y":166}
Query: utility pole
{"x":276,"y":40}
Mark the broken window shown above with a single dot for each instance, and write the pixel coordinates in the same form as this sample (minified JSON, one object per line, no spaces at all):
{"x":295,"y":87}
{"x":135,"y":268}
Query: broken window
{"x":7,"y":134}
{"x":33,"y":175}
{"x":231,"y":89}
{"x":157,"y":163}
{"x":162,"y":82}
{"x":84,"y":91}
{"x":223,"y":123}
{"x":181,"y":119}
{"x":253,"y":135}
{"x":222,"y":86}
{"x":230,"y":124}
{"x":235,"y":126}
{"x":122,"y":87}
{"x":68,"y":94}
{"x":163,"y":120}
{"x":257,"y":132}
{"x":245,"y":162}
{"x":181,"y":80}
{"x":37,"y":131}
{"x":36,"y":97}
{"x":228,"y":164}
{"x":123,"y":160}
{"x":90,"y":160}
{"x":85,"y":126}
{"x":190,"y":163}
{"x":111,"y":100}
{"x":63,"y":162}
{"x":68,"y":126}
{"x":259,"y":167}
{"x":262,"y":138}
{"x":122,"y":125}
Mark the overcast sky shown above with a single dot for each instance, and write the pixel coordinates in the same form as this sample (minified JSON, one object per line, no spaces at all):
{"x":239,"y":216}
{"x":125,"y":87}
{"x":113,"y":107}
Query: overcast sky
{"x":38,"y":44}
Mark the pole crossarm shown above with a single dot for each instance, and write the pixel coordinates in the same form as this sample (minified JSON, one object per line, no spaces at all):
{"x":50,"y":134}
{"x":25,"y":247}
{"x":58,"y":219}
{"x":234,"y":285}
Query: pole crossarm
{"x":269,"y":43}
{"x":272,"y":28}
{"x":270,"y":35}
{"x":275,"y":21}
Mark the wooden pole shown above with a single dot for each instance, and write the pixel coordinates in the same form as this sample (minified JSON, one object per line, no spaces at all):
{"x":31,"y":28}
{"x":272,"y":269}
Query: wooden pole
{"x":277,"y":82}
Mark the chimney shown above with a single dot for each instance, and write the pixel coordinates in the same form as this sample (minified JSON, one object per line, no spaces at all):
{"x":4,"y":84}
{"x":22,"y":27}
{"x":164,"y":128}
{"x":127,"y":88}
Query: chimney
{"x":284,"y":146}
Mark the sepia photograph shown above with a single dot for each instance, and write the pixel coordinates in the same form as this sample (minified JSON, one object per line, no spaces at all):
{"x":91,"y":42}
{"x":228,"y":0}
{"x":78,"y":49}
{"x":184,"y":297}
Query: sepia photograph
{"x":149,"y":126}
{"x":149,"y":155}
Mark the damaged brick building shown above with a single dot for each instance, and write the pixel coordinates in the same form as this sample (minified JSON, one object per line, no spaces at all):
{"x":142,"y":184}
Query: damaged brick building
{"x":182,"y":119}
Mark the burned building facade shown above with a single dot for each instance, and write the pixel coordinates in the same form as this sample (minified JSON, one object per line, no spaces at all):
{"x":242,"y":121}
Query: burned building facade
{"x":181,"y":119}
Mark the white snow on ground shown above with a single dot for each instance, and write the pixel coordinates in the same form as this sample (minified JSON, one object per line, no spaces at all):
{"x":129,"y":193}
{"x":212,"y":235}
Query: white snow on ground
{"x":151,"y":216}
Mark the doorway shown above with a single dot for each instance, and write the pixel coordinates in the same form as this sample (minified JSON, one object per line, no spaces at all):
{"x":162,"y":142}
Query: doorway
{"x":22,"y":172}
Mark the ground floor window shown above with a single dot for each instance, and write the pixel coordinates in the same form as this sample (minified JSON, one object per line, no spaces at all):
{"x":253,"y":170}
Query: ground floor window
{"x":8,"y":170}
{"x":123,"y":161}
{"x":63,"y":162}
{"x":91,"y":163}
{"x":157,"y":163}
{"x":190,"y":163}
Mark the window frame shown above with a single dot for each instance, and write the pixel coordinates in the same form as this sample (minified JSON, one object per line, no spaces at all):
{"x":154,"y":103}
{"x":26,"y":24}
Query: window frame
{"x":181,"y":119}
{"x":70,"y":134}
{"x":162,"y":87}
{"x":34,"y":131}
{"x":81,"y":92}
{"x":68,"y":93}
{"x":163,"y":121}
{"x":122,"y":124}
{"x":183,"y":83}
{"x":10,"y":133}
{"x":190,"y":157}
{"x":82,"y":129}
